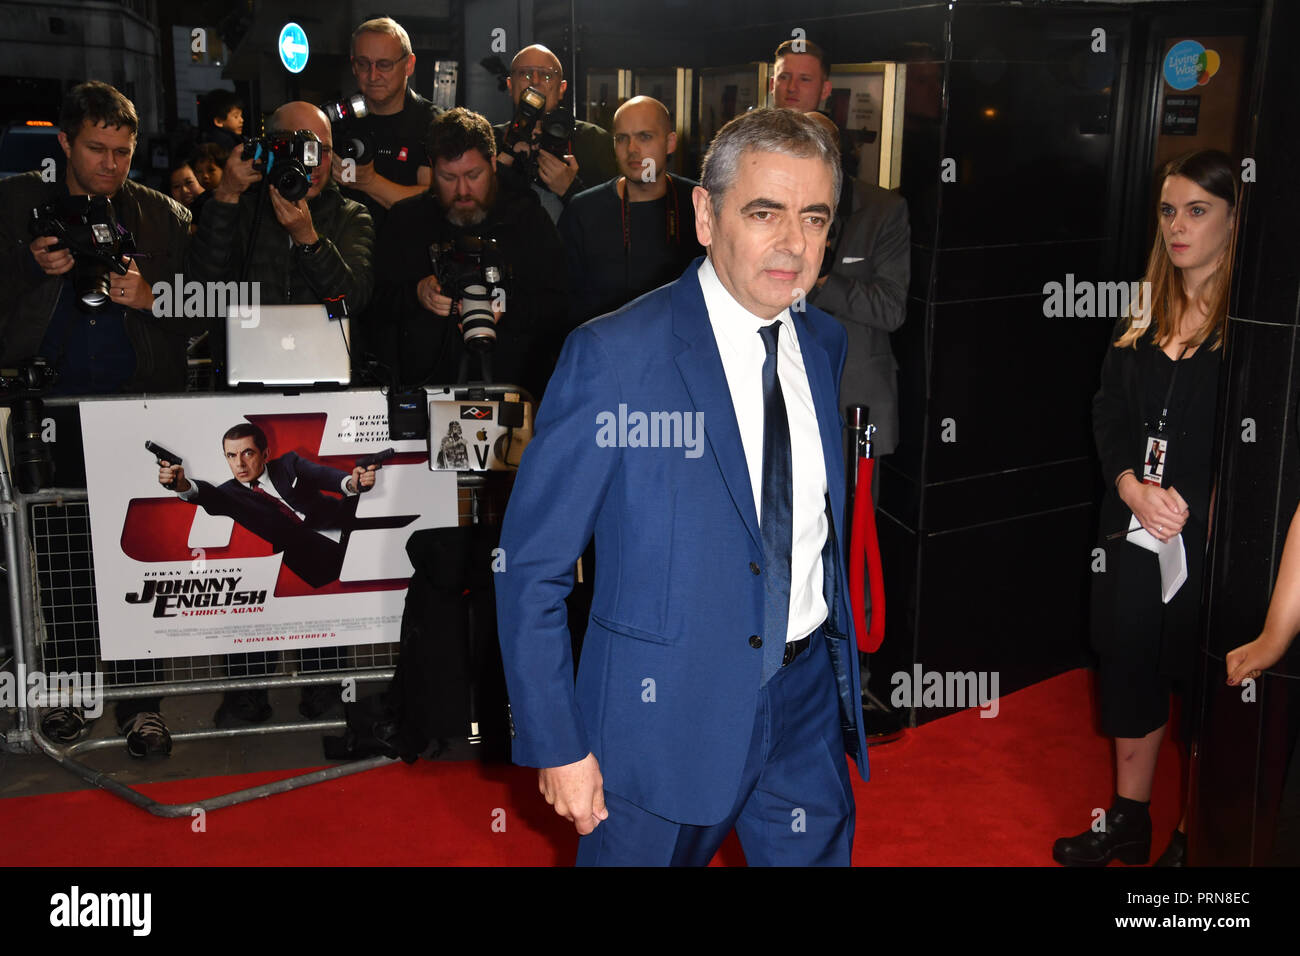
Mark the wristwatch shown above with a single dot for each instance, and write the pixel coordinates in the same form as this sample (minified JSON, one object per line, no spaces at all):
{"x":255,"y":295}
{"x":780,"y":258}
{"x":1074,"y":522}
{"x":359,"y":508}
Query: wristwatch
{"x":308,"y":249}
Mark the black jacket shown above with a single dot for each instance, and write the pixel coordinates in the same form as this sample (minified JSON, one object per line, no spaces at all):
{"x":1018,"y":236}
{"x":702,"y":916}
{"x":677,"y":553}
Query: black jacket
{"x":593,"y":149}
{"x":341,"y":266}
{"x":420,"y":346}
{"x":160,"y":226}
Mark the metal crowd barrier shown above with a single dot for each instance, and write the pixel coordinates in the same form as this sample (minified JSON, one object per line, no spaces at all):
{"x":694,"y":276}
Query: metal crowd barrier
{"x":54,"y":620}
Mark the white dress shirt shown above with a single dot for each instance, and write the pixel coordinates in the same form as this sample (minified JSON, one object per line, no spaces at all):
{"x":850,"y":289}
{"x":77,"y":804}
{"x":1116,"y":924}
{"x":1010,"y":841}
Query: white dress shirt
{"x":736,"y":331}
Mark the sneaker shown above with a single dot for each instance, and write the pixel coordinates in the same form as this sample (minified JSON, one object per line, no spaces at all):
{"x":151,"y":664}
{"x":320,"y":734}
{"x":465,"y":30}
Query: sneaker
{"x":63,"y":724}
{"x":147,"y":736}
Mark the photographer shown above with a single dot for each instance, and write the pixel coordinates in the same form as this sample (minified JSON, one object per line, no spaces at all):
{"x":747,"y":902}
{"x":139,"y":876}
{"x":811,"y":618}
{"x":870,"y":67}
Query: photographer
{"x":306,"y":251}
{"x":94,"y":326}
{"x":589,"y":156}
{"x":418,"y":338}
{"x":392,"y":163}
{"x":123,"y":347}
{"x":637,"y":231}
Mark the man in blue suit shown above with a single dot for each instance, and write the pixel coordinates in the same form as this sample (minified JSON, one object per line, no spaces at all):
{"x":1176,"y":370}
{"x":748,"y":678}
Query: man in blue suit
{"x":718,"y":685}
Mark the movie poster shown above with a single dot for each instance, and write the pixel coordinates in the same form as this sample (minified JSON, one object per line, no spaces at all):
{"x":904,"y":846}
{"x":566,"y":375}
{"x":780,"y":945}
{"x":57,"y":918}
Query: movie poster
{"x":265,"y":548}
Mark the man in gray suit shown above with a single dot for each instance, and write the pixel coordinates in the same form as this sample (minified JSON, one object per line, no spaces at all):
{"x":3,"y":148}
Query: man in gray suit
{"x":870,"y":255}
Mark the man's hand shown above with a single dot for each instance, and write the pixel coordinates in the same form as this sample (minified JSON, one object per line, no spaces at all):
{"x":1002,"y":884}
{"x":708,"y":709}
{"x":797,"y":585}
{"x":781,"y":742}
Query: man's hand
{"x":429,"y":292}
{"x":360,"y":176}
{"x":363,"y":479}
{"x":1161,"y":511}
{"x":577,"y":793}
{"x":558,"y":175}
{"x":131,"y":290}
{"x":168,"y":473}
{"x":51,"y":263}
{"x":295,"y":217}
{"x":236,"y":176}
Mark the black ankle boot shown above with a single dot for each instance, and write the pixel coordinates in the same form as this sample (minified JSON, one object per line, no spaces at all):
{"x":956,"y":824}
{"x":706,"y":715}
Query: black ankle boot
{"x":1176,"y":853}
{"x":1127,"y":838}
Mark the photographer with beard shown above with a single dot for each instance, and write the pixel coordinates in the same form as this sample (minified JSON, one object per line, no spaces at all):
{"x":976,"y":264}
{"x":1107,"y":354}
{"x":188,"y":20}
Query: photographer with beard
{"x":417,"y":336}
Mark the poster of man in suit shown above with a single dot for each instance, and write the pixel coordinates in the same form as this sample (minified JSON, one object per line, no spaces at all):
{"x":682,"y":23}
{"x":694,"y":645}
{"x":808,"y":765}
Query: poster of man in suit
{"x":267,"y":534}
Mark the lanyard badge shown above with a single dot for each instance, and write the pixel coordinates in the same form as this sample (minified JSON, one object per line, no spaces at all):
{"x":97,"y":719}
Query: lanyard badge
{"x":1157,"y":450}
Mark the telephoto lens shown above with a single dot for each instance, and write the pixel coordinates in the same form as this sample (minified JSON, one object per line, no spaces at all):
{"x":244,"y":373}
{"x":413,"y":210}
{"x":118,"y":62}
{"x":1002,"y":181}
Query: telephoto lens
{"x":33,"y":463}
{"x":478,"y":323}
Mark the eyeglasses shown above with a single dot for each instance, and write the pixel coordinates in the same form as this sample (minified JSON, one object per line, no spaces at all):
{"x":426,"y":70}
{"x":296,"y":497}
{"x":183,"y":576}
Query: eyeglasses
{"x":362,"y":65}
{"x":535,"y":74}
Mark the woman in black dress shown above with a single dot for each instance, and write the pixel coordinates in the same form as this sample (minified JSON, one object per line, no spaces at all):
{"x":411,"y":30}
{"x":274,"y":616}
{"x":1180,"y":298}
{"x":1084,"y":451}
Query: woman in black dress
{"x":1153,"y":419}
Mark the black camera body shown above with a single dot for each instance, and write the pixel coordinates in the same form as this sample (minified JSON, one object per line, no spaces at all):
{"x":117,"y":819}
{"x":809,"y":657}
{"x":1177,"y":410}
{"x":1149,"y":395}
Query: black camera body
{"x":286,"y":160}
{"x":471,"y":273}
{"x":555,"y":136}
{"x":31,"y":379}
{"x":86,"y":227}
{"x":349,"y":141}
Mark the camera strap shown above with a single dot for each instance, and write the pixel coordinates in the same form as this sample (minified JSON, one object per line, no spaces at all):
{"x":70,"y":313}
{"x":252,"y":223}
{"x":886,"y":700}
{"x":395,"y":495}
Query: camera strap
{"x":670,"y":225}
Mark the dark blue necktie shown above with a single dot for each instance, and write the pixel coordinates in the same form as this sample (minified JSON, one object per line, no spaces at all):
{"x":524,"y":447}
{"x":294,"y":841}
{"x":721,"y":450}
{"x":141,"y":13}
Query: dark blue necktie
{"x":777,"y":520}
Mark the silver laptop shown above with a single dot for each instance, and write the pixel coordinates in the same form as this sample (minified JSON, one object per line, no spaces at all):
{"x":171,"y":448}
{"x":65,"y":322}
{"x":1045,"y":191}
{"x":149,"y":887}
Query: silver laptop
{"x":287,"y":345}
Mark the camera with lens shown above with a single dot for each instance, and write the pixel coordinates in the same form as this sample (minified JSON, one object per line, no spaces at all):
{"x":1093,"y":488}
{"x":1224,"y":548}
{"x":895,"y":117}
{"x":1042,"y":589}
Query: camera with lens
{"x":22,"y":388}
{"x":349,"y":141}
{"x":86,"y":227}
{"x":286,"y":160}
{"x":555,"y":136}
{"x":471,"y":273}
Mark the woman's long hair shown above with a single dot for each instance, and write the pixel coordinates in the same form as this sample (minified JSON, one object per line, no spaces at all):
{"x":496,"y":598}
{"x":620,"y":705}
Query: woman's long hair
{"x":1213,"y":171}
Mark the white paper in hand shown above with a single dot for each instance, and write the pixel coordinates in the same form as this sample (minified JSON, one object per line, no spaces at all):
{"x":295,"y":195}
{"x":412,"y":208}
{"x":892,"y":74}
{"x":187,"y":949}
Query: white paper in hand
{"x":1172,"y":555}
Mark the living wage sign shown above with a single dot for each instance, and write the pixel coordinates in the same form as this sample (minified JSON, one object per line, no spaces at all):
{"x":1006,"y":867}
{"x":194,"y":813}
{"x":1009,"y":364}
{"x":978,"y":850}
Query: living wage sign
{"x":292,"y":47}
{"x":1188,"y":64}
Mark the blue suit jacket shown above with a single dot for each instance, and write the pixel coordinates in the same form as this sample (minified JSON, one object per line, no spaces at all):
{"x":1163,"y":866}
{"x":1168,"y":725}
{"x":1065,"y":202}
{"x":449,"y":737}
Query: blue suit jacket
{"x":668,"y":683}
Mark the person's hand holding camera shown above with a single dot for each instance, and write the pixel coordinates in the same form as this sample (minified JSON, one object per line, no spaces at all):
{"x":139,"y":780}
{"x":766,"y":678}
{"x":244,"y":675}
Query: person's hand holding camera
{"x":295,"y":217}
{"x":51,"y":262}
{"x":131,"y":290}
{"x":357,"y":175}
{"x":237,"y":175}
{"x":557,"y":174}
{"x":429,"y":292}
{"x":172,"y":477}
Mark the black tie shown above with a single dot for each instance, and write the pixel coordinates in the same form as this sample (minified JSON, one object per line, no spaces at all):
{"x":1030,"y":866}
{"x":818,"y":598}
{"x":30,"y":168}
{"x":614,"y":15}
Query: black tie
{"x":776,"y":521}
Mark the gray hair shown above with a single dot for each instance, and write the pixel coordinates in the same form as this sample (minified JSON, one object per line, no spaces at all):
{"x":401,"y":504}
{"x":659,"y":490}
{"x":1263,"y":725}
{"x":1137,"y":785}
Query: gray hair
{"x":766,"y":131}
{"x":387,"y":26}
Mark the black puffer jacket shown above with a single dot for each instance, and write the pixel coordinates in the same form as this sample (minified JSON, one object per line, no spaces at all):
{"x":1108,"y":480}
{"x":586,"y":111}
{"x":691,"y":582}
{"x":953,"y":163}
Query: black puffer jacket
{"x":341,"y":266}
{"x":160,"y":226}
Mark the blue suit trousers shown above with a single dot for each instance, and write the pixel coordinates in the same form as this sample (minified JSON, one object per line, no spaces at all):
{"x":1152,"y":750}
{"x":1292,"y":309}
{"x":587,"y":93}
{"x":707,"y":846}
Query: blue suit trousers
{"x":795,"y":803}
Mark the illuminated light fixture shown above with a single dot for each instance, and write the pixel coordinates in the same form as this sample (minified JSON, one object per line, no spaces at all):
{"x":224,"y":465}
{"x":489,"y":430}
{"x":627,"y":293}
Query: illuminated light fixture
{"x":989,"y":112}
{"x":38,"y":123}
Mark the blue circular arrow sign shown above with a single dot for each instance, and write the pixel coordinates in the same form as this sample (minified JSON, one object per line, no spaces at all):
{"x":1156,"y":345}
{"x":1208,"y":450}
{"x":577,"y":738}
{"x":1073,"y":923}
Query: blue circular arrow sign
{"x":293,"y":47}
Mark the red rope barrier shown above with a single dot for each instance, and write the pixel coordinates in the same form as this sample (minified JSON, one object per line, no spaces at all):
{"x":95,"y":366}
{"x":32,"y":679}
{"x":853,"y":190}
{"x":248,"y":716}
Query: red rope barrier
{"x":865,"y":547}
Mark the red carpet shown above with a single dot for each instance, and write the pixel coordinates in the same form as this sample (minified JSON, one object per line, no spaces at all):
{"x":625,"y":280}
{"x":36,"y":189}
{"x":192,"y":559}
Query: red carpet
{"x":960,"y":791}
